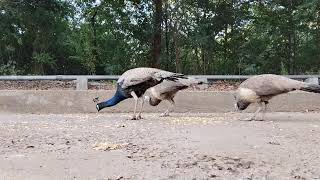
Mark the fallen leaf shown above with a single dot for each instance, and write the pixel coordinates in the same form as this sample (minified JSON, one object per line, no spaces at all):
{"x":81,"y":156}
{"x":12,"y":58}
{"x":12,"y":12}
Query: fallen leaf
{"x":108,"y":146}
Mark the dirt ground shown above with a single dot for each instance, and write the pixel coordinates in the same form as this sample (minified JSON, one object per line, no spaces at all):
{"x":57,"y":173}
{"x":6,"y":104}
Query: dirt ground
{"x":185,"y":146}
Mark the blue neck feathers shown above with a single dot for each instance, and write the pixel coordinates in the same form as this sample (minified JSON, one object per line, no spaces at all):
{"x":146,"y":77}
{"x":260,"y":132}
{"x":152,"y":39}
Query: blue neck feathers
{"x":118,"y":97}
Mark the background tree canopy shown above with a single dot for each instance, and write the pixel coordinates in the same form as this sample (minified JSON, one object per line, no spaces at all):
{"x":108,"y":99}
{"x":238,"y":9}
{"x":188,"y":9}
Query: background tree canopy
{"x":188,"y":36}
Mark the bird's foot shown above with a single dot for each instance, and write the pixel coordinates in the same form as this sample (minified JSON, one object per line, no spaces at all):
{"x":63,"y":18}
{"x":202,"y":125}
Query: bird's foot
{"x":138,"y":117}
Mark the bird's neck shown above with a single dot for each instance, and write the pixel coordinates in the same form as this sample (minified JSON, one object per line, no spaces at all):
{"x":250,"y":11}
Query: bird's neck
{"x":248,"y":95}
{"x":118,"y":97}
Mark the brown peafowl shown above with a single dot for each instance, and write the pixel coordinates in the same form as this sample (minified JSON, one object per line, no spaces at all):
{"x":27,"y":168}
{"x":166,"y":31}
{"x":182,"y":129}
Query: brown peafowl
{"x":133,"y":84}
{"x":167,"y":91}
{"x":261,"y":88}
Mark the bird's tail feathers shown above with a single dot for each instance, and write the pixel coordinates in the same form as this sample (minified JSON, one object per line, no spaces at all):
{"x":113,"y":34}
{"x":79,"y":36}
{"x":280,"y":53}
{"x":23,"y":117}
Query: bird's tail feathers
{"x":311,"y":88}
{"x":194,"y":83}
{"x":176,"y":77}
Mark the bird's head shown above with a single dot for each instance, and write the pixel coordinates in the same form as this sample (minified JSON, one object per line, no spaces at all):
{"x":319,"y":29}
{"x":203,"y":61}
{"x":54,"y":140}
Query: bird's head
{"x":151,"y":100}
{"x":242,"y":105}
{"x":244,"y":97}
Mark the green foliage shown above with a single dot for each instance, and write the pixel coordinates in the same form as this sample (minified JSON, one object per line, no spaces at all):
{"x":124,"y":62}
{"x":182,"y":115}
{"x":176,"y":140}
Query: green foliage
{"x":198,"y":37}
{"x":43,"y":58}
{"x":9,"y":69}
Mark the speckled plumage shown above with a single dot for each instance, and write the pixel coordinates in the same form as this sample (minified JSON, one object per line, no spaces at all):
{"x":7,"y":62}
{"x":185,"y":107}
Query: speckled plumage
{"x":261,"y":88}
{"x":271,"y":85}
{"x":168,"y":89}
{"x":142,"y":74}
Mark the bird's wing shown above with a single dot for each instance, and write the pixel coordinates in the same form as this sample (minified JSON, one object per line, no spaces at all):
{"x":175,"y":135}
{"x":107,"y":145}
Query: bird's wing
{"x":169,"y":86}
{"x":136,"y":76}
{"x":160,"y":75}
{"x":173,"y":86}
{"x":271,"y":85}
{"x":190,"y":81}
{"x":166,"y":89}
{"x":139,"y":75}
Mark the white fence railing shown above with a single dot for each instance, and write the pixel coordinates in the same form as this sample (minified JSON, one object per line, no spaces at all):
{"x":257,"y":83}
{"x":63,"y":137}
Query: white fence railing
{"x":82,"y":80}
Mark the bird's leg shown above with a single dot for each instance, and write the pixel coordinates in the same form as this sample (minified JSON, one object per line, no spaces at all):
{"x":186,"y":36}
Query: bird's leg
{"x":264,"y":109}
{"x":135,"y":97}
{"x":141,"y":107}
{"x":255,"y":113}
{"x":170,"y":108}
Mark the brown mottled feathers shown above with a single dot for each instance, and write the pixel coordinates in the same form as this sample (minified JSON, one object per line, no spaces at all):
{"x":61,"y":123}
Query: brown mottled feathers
{"x":168,"y":89}
{"x":271,"y":85}
{"x":169,"y":86}
{"x":138,"y":75}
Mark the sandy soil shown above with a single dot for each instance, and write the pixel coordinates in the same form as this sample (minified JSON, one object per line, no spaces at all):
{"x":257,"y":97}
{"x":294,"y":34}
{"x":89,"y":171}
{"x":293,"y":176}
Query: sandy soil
{"x":184,"y":146}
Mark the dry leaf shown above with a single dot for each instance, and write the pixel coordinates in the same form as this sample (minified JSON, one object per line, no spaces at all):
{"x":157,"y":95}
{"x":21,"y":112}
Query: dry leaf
{"x":108,"y":146}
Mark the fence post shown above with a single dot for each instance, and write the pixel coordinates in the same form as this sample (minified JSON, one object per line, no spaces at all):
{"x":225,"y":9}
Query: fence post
{"x":82,"y":83}
{"x":312,"y":80}
{"x":205,"y":81}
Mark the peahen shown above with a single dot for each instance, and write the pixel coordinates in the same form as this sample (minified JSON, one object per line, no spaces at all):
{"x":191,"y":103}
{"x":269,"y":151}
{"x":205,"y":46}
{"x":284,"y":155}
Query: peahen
{"x":133,"y":84}
{"x":167,"y":91}
{"x":261,"y":88}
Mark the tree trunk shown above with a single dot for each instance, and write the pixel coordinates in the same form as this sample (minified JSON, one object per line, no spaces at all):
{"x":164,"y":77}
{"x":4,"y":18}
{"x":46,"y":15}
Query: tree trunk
{"x":94,"y":49}
{"x":196,"y":66}
{"x":176,"y":48}
{"x":204,"y":70}
{"x":167,"y":34}
{"x":225,"y":52}
{"x":156,"y":49}
{"x":292,"y":41}
{"x":318,"y":31}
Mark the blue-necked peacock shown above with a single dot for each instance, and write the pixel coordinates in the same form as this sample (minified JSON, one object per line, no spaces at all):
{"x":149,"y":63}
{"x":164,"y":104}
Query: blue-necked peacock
{"x":133,"y":84}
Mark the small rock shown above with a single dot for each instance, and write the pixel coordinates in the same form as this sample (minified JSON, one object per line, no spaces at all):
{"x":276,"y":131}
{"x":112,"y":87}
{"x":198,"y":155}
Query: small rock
{"x":119,"y":177}
{"x":245,"y":164}
{"x":213,"y":176}
{"x":229,"y":168}
{"x":218,"y":166}
{"x":30,"y":146}
{"x":299,"y":177}
{"x":274,"y":143}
